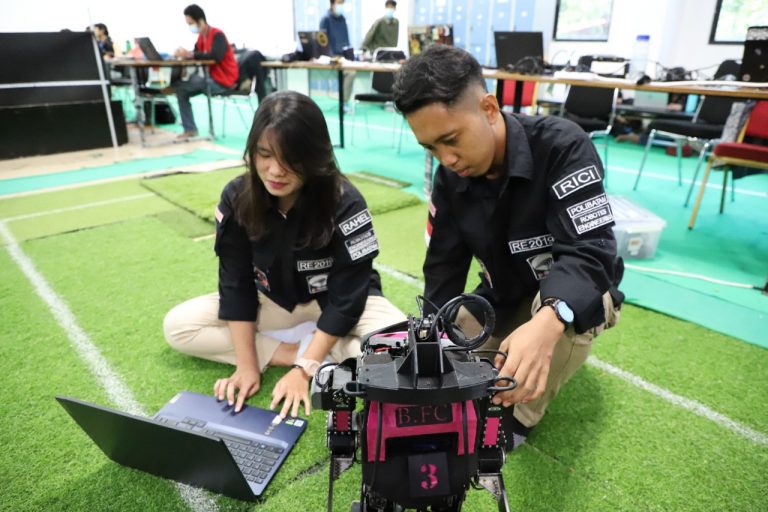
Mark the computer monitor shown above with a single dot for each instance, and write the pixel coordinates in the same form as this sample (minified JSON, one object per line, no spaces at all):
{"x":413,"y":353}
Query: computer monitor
{"x":313,"y":44}
{"x":421,"y":37}
{"x":515,"y":49}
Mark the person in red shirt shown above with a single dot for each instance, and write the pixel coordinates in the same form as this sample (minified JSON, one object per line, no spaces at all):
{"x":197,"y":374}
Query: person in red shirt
{"x":211,"y":44}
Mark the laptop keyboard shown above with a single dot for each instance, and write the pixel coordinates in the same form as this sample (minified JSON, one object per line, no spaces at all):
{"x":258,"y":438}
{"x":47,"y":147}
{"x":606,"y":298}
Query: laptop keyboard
{"x":255,"y":459}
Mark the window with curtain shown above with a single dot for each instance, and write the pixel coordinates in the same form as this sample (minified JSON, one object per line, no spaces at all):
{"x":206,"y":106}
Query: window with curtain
{"x":583,"y":20}
{"x":733,"y":17}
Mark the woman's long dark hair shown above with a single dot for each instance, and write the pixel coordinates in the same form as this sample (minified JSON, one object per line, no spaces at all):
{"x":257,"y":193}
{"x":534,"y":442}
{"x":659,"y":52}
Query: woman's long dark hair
{"x":299,"y":136}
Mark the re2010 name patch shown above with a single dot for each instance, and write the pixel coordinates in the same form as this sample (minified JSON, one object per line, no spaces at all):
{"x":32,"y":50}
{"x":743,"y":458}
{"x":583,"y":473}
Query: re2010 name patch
{"x":531,"y":244}
{"x":362,"y":245}
{"x":310,"y":265}
{"x":591,"y":214}
{"x":576,"y":181}
{"x":355,"y":222}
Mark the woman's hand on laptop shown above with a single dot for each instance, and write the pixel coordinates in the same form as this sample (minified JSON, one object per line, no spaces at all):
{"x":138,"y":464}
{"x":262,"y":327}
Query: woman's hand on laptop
{"x":242,"y":385}
{"x":292,"y":389}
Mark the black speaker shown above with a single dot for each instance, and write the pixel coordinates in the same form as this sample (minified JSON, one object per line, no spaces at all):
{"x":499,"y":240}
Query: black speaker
{"x":754,"y":64}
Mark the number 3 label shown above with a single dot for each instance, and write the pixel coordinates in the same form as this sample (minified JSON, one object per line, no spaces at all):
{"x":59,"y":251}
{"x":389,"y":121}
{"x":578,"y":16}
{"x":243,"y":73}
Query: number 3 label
{"x":430,"y":480}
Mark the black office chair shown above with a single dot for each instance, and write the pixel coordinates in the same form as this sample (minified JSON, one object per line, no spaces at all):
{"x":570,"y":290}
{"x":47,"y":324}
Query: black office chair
{"x":706,"y":126}
{"x":594,"y":109}
{"x":381,"y":84}
{"x":253,"y":81}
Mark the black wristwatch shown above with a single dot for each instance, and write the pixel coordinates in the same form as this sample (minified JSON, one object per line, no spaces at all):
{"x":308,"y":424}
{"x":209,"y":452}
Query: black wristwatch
{"x":562,"y":310}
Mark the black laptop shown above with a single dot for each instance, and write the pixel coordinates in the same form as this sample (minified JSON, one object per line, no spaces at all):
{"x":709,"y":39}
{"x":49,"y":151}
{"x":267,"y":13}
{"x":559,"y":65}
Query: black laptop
{"x":148,"y":49}
{"x":195,"y":439}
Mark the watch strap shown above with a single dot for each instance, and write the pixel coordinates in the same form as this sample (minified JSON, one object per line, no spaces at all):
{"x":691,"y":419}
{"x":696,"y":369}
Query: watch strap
{"x":552,"y":302}
{"x":309,"y":366}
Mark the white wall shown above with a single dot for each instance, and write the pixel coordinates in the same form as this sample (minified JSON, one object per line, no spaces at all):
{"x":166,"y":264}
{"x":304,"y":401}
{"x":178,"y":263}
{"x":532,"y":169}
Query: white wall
{"x":263,"y":24}
{"x":679,"y":31}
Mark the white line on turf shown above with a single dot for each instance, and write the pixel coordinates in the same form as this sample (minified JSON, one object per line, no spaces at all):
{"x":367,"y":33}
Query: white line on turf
{"x":686,"y":403}
{"x":79,"y":207}
{"x":400,"y":276}
{"x":686,"y":181}
{"x":680,"y":401}
{"x":108,"y":379}
{"x":204,"y":237}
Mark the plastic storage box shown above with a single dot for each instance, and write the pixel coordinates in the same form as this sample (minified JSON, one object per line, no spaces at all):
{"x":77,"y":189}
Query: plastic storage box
{"x":637,"y":230}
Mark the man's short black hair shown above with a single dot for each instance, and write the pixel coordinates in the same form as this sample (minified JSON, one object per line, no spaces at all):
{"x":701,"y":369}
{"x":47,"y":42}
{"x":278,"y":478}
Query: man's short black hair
{"x":195,"y":12}
{"x":390,"y":2}
{"x":440,"y":74}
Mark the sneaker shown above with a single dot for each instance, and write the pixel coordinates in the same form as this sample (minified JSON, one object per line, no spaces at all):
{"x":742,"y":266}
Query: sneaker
{"x":515,"y":433}
{"x":186,"y":136}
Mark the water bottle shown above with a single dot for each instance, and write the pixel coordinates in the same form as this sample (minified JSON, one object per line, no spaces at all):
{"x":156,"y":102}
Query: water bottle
{"x":639,"y":61}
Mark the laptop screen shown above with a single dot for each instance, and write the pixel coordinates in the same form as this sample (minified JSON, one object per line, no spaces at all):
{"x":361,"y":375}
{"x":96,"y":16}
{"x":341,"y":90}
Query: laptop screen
{"x":148,"y":49}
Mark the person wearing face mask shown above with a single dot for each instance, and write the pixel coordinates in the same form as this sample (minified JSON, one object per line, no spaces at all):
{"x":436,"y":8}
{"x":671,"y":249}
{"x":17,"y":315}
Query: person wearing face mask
{"x":383,"y":33}
{"x":524,"y":196}
{"x":335,"y":26}
{"x":296,"y":245}
{"x":211,"y":44}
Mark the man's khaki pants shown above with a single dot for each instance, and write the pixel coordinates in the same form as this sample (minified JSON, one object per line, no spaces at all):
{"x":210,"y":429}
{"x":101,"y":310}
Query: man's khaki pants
{"x":193,"y":327}
{"x":570,"y":352}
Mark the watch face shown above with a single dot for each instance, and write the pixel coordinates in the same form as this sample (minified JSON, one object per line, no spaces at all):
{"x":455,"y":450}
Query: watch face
{"x":565,"y":312}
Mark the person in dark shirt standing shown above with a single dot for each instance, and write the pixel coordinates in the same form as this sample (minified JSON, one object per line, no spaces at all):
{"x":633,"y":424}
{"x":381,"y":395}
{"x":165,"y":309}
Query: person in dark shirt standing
{"x":211,"y":44}
{"x":524,"y":196}
{"x":296,"y":244}
{"x":384,"y":31}
{"x":335,"y":25}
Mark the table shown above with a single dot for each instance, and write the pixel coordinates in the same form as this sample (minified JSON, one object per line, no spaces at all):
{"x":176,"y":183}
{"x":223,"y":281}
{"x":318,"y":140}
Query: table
{"x":133,"y":65}
{"x":713,"y":88}
{"x":339,"y":67}
{"x":756,"y":91}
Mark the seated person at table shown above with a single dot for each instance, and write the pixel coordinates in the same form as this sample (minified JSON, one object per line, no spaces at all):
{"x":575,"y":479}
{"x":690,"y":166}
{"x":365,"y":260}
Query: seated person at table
{"x":211,"y":44}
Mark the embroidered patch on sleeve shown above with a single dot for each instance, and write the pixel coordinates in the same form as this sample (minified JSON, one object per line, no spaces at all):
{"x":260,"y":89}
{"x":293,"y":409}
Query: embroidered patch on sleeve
{"x":317,"y":283}
{"x":540,"y":265}
{"x":590,"y":214}
{"x":432,"y":208}
{"x":217,"y":213}
{"x":362,"y":244}
{"x":355,"y":222}
{"x":534,"y":243}
{"x":576,"y":181}
{"x":261,"y":278}
{"x":485,"y":272}
{"x":310,"y":265}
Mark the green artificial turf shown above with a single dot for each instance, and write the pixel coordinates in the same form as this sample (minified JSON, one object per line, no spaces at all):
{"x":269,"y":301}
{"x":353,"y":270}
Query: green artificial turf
{"x":604,"y":444}
{"x":47,"y":462}
{"x":200,"y":193}
{"x":118,"y":169}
